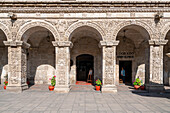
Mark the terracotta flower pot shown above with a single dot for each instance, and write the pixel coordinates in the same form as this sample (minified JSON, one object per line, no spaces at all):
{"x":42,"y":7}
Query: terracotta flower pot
{"x":97,"y":88}
{"x":28,"y":83}
{"x":5,"y":87}
{"x":136,"y":86}
{"x":51,"y":88}
{"x":142,"y":87}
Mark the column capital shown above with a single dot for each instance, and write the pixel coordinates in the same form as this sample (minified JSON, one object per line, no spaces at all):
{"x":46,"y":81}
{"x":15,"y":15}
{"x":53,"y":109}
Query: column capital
{"x":108,"y":43}
{"x":157,"y":42}
{"x":16,"y":44}
{"x":62,"y":44}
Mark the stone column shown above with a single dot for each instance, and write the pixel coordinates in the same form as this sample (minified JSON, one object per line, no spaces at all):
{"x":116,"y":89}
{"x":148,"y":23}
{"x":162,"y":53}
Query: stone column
{"x":62,"y":51}
{"x":156,"y":66}
{"x":109,"y":66}
{"x":17,"y":65}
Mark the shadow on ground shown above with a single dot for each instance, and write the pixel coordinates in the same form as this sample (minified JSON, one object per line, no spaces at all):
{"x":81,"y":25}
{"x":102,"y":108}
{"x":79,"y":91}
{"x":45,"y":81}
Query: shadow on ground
{"x":130,"y":88}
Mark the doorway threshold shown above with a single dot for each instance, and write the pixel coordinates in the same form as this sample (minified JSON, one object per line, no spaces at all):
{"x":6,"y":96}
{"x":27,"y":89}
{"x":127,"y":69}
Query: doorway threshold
{"x":83,"y":83}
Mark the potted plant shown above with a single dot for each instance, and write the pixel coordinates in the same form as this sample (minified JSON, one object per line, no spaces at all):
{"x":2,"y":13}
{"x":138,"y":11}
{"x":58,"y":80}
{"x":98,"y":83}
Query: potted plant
{"x":98,"y":84}
{"x":53,"y":82}
{"x":5,"y":83}
{"x":137,"y":83}
{"x":28,"y":82}
{"x":142,"y":87}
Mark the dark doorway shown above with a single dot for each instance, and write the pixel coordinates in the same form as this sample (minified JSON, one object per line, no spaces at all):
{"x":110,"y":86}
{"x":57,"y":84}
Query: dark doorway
{"x":127,"y":66}
{"x":84,"y":63}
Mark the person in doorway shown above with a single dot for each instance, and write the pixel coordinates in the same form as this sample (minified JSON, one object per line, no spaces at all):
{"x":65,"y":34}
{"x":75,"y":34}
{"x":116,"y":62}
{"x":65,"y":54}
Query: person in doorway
{"x":89,"y":79}
{"x":123,"y":74}
{"x":90,"y":71}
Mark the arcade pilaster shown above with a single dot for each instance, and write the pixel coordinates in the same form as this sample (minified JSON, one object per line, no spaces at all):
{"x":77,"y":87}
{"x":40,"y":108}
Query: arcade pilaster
{"x":156,"y":66}
{"x":17,"y":65}
{"x":109,"y":66}
{"x":62,"y":52}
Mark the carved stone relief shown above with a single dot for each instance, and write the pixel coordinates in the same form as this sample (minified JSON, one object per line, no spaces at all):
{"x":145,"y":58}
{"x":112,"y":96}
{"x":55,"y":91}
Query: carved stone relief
{"x":31,"y":24}
{"x":164,"y":29}
{"x":156,"y":64}
{"x":62,"y":26}
{"x":108,"y":26}
{"x":109,"y":65}
{"x":78,"y":24}
{"x":122,"y":24}
{"x":14,"y":58}
{"x":61,"y":65}
{"x":5,"y":29}
{"x":23,"y":66}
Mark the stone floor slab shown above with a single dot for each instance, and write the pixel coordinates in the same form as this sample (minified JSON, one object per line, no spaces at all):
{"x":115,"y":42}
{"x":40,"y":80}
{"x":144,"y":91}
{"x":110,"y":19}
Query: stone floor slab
{"x":44,"y":101}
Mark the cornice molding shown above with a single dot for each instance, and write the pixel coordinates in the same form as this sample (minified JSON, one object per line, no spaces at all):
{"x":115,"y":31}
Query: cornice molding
{"x":16,"y":44}
{"x":84,"y":4}
{"x":80,"y":10}
{"x":85,"y":1}
{"x":108,"y":43}
{"x":62,"y":44}
{"x":157,"y":42}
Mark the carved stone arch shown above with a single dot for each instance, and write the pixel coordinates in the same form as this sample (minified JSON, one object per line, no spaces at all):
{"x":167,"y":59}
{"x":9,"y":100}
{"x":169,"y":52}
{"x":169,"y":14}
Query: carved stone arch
{"x":76,"y":25}
{"x":165,"y":30}
{"x":128,"y":23}
{"x":6,"y":31}
{"x":43,"y":24}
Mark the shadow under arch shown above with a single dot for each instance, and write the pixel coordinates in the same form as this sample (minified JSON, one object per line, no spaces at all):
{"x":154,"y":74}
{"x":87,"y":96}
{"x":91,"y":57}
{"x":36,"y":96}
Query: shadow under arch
{"x":3,"y":57}
{"x":90,"y":32}
{"x":133,"y":47}
{"x":33,"y":24}
{"x":144,"y":29}
{"x":166,"y":61}
{"x":40,"y":55}
{"x":85,"y":40}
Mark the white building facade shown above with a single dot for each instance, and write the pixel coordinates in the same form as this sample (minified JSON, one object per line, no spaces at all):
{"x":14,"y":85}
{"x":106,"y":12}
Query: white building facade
{"x":42,"y":38}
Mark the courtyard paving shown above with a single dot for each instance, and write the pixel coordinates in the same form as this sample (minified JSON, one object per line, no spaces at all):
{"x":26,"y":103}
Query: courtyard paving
{"x":82,"y":99}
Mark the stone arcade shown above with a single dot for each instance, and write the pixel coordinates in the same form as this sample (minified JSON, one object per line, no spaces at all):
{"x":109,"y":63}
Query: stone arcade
{"x":54,"y":37}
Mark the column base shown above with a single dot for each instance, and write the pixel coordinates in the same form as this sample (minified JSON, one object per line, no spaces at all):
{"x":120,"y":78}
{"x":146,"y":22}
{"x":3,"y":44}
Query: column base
{"x":62,"y":89}
{"x":109,"y":89}
{"x":154,"y":88}
{"x":17,"y":88}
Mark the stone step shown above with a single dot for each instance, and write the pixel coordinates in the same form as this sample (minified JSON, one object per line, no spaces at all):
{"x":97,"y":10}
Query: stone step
{"x":82,"y":88}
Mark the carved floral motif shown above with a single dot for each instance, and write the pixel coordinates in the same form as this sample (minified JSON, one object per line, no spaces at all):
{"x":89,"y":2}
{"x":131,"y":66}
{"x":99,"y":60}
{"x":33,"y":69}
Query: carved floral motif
{"x":32,"y":24}
{"x":164,"y":29}
{"x":62,"y":26}
{"x":156,"y":64}
{"x":5,"y":29}
{"x":109,"y":65}
{"x":61,"y":65}
{"x":14,"y":65}
{"x":144,"y":24}
{"x":23,"y":66}
{"x":78,"y":24}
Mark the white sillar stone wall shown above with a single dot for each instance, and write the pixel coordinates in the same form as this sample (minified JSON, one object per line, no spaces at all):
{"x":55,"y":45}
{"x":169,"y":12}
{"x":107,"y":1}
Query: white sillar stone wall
{"x":75,"y":0}
{"x":41,"y":63}
{"x":140,"y":60}
{"x":3,"y":63}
